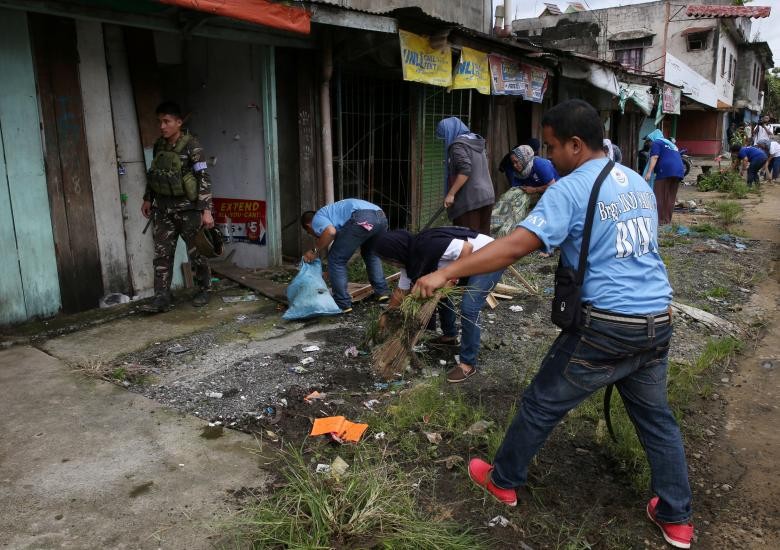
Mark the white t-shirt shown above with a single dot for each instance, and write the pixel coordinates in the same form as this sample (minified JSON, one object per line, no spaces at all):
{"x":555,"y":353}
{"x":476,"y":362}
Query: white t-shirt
{"x":774,"y":149}
{"x":450,"y":255}
{"x":761,"y":133}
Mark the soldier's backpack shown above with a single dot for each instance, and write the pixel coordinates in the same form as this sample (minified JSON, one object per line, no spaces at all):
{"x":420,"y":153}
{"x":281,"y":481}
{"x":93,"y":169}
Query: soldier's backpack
{"x":167,"y":176}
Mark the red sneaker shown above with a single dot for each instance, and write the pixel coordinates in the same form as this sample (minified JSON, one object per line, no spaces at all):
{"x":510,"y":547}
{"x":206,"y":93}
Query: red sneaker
{"x":479,"y":472}
{"x":678,"y":535}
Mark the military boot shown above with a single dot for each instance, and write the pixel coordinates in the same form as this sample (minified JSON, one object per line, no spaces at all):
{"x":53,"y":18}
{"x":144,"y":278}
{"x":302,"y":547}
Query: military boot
{"x":160,"y":304}
{"x":201,"y":298}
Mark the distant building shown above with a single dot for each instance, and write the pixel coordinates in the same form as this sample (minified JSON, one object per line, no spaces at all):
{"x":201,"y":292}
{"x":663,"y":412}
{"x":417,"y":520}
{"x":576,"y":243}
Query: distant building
{"x":704,"y":49}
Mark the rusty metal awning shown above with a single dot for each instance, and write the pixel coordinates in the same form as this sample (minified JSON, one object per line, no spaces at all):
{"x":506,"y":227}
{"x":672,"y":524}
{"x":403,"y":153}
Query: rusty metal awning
{"x":705,"y":11}
{"x":260,"y":12}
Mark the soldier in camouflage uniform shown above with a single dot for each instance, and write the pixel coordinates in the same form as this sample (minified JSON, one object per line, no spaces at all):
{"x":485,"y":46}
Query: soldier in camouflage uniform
{"x":178,"y":198}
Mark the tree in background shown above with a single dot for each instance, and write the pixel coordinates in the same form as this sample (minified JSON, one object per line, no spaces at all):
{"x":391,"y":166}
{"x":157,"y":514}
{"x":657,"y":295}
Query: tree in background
{"x":772,"y":99}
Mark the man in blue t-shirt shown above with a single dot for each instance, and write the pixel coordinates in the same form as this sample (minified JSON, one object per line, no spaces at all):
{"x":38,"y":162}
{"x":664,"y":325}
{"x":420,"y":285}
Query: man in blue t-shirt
{"x":750,"y":158}
{"x":624,"y":333}
{"x":348,"y":225}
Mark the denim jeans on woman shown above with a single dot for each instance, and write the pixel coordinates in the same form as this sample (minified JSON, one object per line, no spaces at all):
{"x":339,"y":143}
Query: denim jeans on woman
{"x":578,"y":364}
{"x":474,"y":297}
{"x":753,"y":175}
{"x":348,"y":239}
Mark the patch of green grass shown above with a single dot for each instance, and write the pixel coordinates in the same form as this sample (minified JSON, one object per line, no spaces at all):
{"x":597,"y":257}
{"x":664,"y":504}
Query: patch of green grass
{"x":708,"y":230}
{"x":718,"y":292}
{"x":728,"y":212}
{"x":373,"y":505}
{"x":356,"y":270}
{"x":727,"y":181}
{"x":739,"y":190}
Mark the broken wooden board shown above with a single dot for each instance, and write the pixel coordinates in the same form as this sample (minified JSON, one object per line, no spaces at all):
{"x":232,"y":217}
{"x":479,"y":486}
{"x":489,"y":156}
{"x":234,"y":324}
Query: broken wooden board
{"x":507,"y":289}
{"x":361,"y":291}
{"x":706,"y":318}
{"x":256,"y":279}
{"x":186,"y":272}
{"x":502,"y":296}
{"x":523,"y":281}
{"x":491,"y":301}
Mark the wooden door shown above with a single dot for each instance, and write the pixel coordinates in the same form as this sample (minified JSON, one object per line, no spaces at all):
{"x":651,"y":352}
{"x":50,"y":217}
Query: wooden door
{"x":67,"y":162}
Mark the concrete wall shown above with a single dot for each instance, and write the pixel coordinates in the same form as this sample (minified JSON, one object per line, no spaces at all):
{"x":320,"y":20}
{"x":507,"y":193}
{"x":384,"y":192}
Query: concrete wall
{"x":223,"y":92}
{"x":474,"y":14}
{"x":747,"y":94}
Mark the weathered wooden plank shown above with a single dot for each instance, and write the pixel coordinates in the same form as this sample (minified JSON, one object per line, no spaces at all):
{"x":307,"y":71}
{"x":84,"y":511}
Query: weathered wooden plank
{"x":708,"y":319}
{"x":102,"y":156}
{"x":25,"y":169}
{"x":273,"y":230}
{"x":12,"y":303}
{"x":67,"y":162}
{"x":130,"y":156}
{"x":255,"y":279}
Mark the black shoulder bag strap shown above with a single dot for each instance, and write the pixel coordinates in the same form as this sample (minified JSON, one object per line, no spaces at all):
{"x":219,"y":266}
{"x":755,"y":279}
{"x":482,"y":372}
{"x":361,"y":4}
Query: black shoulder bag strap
{"x":587,"y":230}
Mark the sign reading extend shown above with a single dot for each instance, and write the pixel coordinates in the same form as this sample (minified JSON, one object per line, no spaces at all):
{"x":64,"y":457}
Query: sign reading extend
{"x":421,"y":63}
{"x":240,"y":220}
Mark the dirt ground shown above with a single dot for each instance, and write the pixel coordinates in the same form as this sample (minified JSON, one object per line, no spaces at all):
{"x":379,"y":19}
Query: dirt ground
{"x":251,"y":372}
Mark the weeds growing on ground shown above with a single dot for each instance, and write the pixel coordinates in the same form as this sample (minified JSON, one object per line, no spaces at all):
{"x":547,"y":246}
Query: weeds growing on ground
{"x":372,"y":505}
{"x":727,"y":181}
{"x":728,"y":212}
{"x":356,"y":270}
{"x":718,"y":292}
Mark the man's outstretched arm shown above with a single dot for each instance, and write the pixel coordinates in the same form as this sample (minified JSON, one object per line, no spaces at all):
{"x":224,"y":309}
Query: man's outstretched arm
{"x":497,"y":255}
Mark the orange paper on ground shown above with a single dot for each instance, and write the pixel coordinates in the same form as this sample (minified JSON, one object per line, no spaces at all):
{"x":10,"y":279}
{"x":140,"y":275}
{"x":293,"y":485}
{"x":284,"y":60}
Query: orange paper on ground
{"x":340,"y":426}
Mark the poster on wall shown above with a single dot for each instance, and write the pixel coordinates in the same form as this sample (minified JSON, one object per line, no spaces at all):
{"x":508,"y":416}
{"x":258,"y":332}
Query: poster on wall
{"x":472,"y":71}
{"x":240,"y":220}
{"x":671,"y":100}
{"x":511,"y":77}
{"x":422,"y":63}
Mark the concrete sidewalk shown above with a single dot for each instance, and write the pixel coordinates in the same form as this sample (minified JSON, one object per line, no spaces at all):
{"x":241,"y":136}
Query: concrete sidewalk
{"x":85,"y":464}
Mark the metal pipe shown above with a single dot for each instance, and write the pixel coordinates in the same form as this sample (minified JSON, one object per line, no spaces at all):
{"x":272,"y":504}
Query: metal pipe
{"x":508,"y":15}
{"x":327,"y":132}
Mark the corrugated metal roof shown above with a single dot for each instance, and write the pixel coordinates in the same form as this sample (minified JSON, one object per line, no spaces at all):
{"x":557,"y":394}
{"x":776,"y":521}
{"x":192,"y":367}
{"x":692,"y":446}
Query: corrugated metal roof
{"x":698,"y":10}
{"x":551,"y":9}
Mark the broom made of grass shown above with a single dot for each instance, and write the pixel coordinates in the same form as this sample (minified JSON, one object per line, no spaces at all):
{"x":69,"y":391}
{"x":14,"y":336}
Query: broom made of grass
{"x":390,"y":359}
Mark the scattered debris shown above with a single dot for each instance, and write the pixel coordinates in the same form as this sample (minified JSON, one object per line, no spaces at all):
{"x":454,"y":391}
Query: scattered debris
{"x":498,"y":521}
{"x":272,"y":436}
{"x":309,"y":349}
{"x":451,"y":461}
{"x":516,"y":309}
{"x":113,"y":299}
{"x":211,"y":431}
{"x":214,"y":394}
{"x":322,"y":468}
{"x":307,"y":360}
{"x":351,"y":351}
{"x":240,"y":318}
{"x":314,"y":396}
{"x":339,"y":428}
{"x":379,"y":436}
{"x":479,"y":427}
{"x":433,"y":437}
{"x":339,"y":466}
{"x":370,"y":404}
{"x":298,"y":370}
{"x":706,"y":318}
{"x":178,"y":348}
{"x":768,"y":364}
{"x":242,"y":298}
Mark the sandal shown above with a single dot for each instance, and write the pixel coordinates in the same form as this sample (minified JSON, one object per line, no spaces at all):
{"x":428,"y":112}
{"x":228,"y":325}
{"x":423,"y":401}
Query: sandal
{"x":456,"y":375}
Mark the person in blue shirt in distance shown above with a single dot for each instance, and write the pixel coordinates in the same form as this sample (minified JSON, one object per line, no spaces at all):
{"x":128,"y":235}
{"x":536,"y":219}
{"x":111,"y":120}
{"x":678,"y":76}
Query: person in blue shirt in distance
{"x":624,"y":334}
{"x":751,"y":159}
{"x":666,"y":163}
{"x":530,"y":173}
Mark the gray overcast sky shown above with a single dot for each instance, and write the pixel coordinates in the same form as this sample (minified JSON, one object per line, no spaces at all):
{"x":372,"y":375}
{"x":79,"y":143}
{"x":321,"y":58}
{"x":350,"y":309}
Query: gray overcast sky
{"x":768,"y":28}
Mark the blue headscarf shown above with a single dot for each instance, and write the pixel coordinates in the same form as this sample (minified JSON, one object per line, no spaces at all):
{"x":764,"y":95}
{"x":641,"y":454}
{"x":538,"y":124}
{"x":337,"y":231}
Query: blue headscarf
{"x":449,"y":129}
{"x":657,"y":134}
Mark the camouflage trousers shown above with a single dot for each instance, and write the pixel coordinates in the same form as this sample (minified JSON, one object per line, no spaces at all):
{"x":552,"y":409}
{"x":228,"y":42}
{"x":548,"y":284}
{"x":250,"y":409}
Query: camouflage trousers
{"x":169,"y":225}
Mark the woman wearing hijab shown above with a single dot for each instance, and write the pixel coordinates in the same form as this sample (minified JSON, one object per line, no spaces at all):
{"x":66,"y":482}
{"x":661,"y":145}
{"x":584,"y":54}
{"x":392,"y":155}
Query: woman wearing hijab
{"x":424,"y":253}
{"x":613,"y":151}
{"x":666,"y":164}
{"x":470,"y":197}
{"x":530,"y":173}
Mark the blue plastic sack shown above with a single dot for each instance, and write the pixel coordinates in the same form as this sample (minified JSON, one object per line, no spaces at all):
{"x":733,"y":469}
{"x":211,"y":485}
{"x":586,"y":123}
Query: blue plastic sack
{"x":308,"y":295}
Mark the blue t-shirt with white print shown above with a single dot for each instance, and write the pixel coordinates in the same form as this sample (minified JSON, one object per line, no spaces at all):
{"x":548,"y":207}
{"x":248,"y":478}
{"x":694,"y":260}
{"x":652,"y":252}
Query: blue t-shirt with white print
{"x":338,"y":214}
{"x":625,"y":273}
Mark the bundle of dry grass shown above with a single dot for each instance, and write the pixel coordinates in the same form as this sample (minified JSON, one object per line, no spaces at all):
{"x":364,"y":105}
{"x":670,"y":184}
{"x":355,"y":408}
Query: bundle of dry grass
{"x":406,"y":325}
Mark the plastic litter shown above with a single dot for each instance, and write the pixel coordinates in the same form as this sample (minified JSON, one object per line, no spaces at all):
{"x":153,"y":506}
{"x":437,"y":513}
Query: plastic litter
{"x":370,"y":404}
{"x":498,"y":521}
{"x":351,"y":351}
{"x":516,"y":309}
{"x":214,"y":394}
{"x":298,"y":370}
{"x":178,"y":348}
{"x":314,"y":396}
{"x":479,"y":427}
{"x":322,"y":468}
{"x":113,"y":299}
{"x":309,"y":349}
{"x":307,"y":360}
{"x":379,"y":436}
{"x":433,"y":437}
{"x":308,"y":294}
{"x":339,"y":466}
{"x":339,"y":428}
{"x":242,"y":298}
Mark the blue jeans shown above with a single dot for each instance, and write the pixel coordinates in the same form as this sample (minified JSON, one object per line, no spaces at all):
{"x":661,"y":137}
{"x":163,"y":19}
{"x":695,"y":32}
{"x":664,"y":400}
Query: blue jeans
{"x":348,"y":239}
{"x":774,"y":166}
{"x":474,"y":296}
{"x":753,"y":168}
{"x":634,"y":358}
